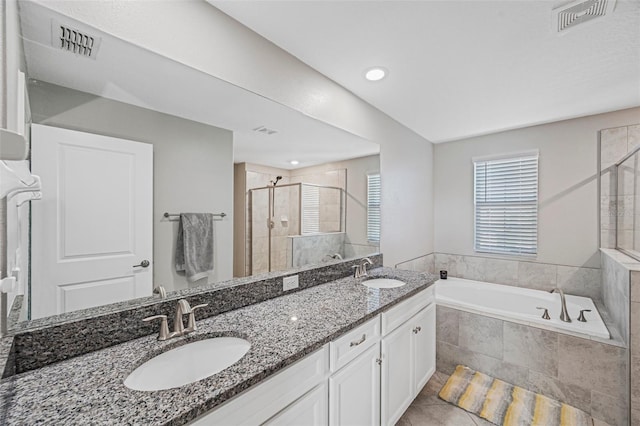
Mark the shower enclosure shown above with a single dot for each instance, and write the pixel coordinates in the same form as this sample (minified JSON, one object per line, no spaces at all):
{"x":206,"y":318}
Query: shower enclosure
{"x":627,"y":204}
{"x":294,"y":224}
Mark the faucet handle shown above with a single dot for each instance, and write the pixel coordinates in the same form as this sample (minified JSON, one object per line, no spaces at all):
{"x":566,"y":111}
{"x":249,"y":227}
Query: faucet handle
{"x":581,"y":317}
{"x":164,"y":328}
{"x":191,"y":325}
{"x":545,"y":314}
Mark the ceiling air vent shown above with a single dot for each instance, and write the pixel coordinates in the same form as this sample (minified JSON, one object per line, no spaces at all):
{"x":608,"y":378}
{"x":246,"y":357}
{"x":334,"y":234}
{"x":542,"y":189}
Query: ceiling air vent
{"x":75,"y":41}
{"x":265,"y":130}
{"x":576,"y":13}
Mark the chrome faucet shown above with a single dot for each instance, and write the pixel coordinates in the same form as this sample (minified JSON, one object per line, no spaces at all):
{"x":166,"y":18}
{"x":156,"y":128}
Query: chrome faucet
{"x":361,"y":269}
{"x":564,"y":315}
{"x":183,"y":308}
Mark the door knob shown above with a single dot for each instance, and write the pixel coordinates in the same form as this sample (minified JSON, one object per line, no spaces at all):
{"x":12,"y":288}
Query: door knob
{"x":142,"y":264}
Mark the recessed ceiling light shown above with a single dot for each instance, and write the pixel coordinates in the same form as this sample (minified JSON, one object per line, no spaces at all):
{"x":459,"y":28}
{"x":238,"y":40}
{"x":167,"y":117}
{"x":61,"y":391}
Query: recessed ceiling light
{"x":294,"y":162}
{"x":375,"y":74}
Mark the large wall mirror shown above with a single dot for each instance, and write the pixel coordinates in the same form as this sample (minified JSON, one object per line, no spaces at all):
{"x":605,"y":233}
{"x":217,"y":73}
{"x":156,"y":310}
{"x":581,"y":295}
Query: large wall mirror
{"x":293,"y":191}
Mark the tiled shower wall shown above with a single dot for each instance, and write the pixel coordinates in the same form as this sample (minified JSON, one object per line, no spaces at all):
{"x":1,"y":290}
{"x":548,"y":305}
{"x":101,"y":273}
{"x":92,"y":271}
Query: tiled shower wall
{"x":621,"y":277}
{"x":615,"y":143}
{"x":622,"y":274}
{"x":587,"y":374}
{"x":314,"y":249}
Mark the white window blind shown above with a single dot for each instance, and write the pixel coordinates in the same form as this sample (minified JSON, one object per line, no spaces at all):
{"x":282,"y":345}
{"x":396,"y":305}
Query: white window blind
{"x":310,"y":209}
{"x":373,"y":207}
{"x":506,"y":205}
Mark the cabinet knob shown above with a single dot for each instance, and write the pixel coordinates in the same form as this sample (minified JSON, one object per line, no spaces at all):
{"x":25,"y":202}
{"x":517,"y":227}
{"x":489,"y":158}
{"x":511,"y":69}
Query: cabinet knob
{"x":379,"y":361}
{"x":417,"y":330}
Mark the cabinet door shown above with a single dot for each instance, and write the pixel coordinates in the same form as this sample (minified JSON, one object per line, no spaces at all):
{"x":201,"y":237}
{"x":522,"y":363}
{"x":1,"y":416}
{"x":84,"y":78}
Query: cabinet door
{"x":354,"y":391}
{"x":397,"y":373}
{"x":310,"y":410}
{"x":424,"y":345}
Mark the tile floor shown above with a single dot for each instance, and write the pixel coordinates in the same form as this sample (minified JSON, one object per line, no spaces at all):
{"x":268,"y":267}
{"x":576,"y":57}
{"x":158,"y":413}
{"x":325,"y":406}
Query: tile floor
{"x":429,"y":410}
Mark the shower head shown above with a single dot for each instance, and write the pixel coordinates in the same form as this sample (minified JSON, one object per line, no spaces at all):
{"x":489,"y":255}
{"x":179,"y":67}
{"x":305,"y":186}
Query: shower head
{"x":274,"y":183}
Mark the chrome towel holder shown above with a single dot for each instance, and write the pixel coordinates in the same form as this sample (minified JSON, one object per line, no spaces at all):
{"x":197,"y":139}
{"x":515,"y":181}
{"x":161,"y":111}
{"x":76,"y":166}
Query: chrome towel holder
{"x":170,"y":215}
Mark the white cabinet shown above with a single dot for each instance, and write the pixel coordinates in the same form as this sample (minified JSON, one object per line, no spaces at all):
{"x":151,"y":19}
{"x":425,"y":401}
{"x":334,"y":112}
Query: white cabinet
{"x":357,"y":379}
{"x":263,"y":401}
{"x":397,"y":373}
{"x":310,"y":410}
{"x":354,"y":391}
{"x":424,"y":346}
{"x":408,"y":357}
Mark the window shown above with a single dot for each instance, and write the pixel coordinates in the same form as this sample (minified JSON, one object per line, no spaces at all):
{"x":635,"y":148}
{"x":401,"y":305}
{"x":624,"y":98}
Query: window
{"x":310,"y":209}
{"x":373,"y":207}
{"x":506,"y":205}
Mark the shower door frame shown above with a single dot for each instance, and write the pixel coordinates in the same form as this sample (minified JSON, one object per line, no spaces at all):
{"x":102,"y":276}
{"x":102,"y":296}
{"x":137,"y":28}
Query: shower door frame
{"x":271,"y":211}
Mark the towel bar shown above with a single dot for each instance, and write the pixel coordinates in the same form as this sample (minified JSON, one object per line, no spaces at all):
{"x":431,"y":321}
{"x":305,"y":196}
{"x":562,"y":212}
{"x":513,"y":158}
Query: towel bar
{"x":168,"y":215}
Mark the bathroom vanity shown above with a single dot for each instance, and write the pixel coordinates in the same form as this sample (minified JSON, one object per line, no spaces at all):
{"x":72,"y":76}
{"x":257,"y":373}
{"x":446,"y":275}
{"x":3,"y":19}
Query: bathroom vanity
{"x":368,"y":376}
{"x":336,"y":352}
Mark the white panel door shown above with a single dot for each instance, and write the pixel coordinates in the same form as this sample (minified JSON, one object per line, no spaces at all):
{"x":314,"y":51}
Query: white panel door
{"x":354,"y":391}
{"x":94,"y":222}
{"x":397,"y":373}
{"x":309,"y":410}
{"x":424,"y":345}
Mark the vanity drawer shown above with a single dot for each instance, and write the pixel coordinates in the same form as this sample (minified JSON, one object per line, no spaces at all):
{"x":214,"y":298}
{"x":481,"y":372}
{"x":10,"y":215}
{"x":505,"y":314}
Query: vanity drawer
{"x":262,"y":401}
{"x":400,"y":313}
{"x":354,"y":343}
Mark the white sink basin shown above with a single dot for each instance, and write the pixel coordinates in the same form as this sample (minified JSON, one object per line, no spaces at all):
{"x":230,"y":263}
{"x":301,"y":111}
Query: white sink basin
{"x":187,"y":364}
{"x":383,"y":283}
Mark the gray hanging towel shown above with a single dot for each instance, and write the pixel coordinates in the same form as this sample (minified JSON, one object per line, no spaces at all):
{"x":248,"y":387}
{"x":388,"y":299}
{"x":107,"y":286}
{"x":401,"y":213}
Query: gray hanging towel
{"x":194,"y":248}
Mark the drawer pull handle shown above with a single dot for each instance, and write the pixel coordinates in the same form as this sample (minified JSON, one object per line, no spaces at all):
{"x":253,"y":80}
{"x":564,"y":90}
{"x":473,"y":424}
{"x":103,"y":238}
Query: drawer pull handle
{"x":364,"y":337}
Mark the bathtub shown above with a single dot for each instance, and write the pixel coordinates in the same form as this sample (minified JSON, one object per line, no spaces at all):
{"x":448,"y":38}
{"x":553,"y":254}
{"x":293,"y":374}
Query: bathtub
{"x":518,"y":305}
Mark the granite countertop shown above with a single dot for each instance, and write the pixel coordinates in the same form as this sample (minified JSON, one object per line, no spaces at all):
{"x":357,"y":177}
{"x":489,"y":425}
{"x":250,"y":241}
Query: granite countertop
{"x":89,"y":389}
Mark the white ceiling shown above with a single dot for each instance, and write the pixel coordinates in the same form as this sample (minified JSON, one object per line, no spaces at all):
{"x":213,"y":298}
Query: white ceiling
{"x":461,"y":68}
{"x":127,"y":73}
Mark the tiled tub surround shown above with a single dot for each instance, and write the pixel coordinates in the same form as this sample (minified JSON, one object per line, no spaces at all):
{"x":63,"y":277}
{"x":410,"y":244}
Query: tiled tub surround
{"x":48,"y":340}
{"x":424,"y":263}
{"x":89,"y":389}
{"x":616,"y":273}
{"x":580,"y":281}
{"x":587,"y":374}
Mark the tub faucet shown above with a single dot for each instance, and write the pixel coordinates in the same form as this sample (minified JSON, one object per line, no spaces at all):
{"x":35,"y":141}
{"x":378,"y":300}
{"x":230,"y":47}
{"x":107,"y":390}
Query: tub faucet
{"x":564,"y":315}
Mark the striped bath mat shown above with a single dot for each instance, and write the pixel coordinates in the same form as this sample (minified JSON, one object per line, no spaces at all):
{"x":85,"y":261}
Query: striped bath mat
{"x":505,"y":404}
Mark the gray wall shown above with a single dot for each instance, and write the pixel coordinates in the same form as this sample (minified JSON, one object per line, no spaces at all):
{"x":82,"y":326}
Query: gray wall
{"x":193,"y":166}
{"x":406,"y":159}
{"x":568,"y":193}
